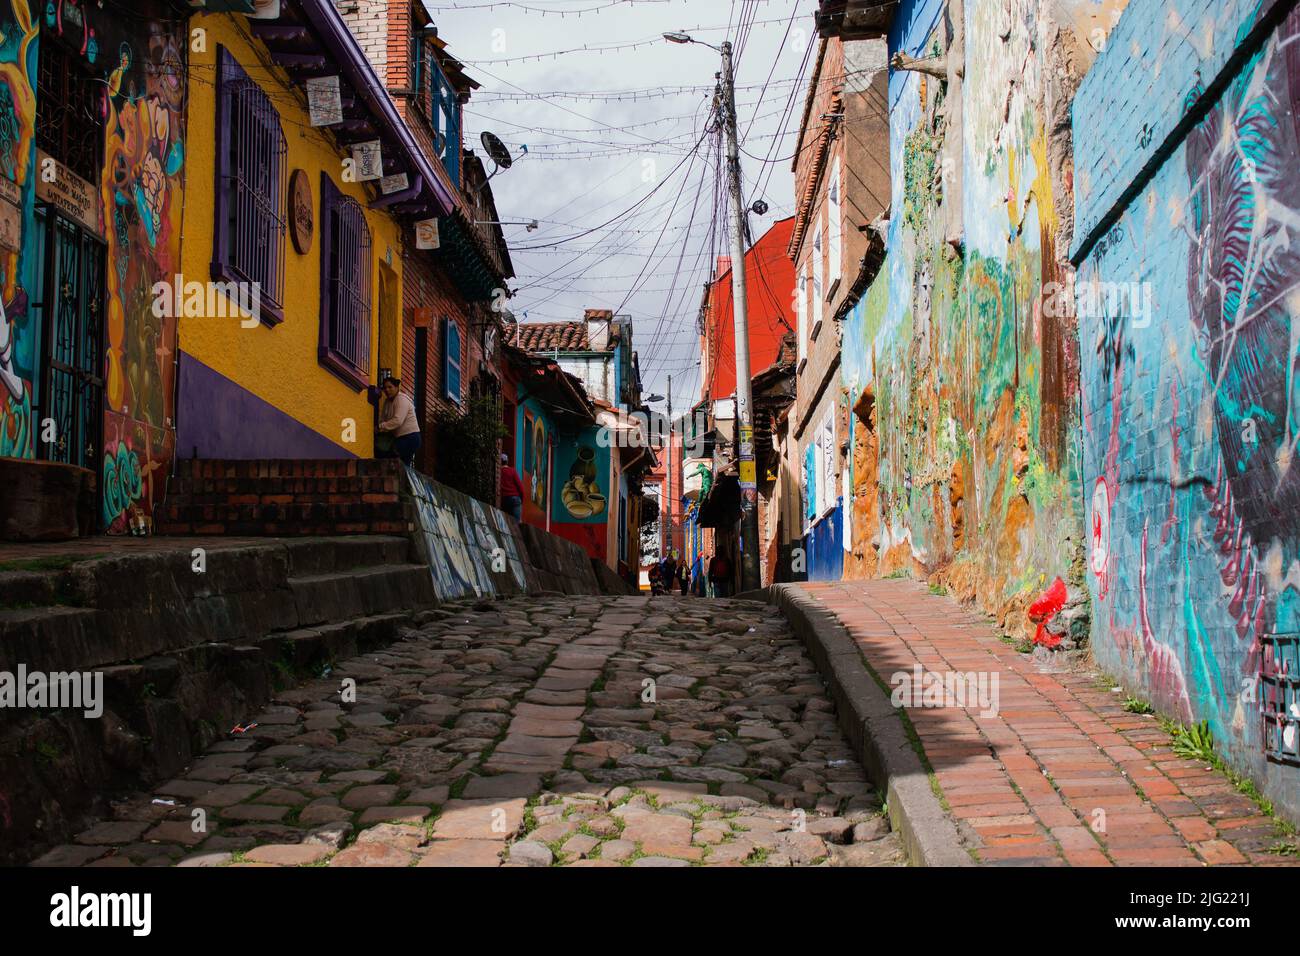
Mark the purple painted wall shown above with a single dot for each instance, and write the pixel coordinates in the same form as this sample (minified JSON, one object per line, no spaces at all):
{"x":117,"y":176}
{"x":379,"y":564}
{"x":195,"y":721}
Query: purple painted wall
{"x":223,"y":420}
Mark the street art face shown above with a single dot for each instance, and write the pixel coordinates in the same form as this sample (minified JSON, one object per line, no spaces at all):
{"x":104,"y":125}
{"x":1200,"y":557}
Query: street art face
{"x":537,"y":491}
{"x":1195,"y":572}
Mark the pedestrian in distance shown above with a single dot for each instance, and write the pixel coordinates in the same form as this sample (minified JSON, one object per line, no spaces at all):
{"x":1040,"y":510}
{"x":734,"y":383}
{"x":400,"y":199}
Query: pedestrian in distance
{"x":512,"y":490}
{"x":668,"y":572}
{"x":397,"y":420}
{"x":720,"y":575}
{"x":698,"y":577}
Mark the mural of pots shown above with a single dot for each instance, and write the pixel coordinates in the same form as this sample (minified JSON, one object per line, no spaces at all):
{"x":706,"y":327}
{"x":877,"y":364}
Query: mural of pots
{"x":581,"y":494}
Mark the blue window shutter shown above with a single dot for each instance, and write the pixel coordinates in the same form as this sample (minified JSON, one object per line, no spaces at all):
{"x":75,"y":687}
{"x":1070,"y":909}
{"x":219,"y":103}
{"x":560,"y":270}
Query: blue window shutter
{"x":810,"y":482}
{"x":451,"y":360}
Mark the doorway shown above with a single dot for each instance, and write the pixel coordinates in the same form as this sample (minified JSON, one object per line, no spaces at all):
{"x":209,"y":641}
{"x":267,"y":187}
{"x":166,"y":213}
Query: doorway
{"x":69,"y":302}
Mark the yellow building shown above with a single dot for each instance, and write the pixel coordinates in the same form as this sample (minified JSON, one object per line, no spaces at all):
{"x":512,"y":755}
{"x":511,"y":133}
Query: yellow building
{"x":299,"y":183}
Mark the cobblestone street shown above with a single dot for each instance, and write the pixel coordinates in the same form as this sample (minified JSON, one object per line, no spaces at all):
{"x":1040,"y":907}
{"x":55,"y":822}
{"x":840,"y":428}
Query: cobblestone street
{"x":533,"y":731}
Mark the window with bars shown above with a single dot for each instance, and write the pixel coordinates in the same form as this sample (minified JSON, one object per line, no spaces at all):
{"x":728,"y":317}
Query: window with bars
{"x":69,"y":109}
{"x":251,"y":190}
{"x":346,"y":277}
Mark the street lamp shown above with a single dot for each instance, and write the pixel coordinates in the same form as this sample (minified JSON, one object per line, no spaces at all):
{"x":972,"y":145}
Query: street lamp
{"x":749,"y":575}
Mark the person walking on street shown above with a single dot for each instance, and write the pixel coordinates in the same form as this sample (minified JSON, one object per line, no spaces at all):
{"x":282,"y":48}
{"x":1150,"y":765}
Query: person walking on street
{"x":683,"y":577}
{"x":668,"y":572}
{"x":720,"y":575}
{"x":512,"y":490}
{"x":397,"y":418}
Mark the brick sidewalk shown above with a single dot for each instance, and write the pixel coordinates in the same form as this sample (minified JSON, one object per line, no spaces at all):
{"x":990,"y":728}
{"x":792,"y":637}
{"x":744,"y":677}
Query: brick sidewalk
{"x":1026,"y":785}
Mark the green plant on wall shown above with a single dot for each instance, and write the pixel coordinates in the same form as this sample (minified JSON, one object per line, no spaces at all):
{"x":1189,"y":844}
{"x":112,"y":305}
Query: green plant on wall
{"x":467,"y":447}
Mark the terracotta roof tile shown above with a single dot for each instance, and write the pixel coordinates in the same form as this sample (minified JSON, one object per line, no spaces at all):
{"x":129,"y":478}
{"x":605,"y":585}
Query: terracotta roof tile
{"x":549,"y":336}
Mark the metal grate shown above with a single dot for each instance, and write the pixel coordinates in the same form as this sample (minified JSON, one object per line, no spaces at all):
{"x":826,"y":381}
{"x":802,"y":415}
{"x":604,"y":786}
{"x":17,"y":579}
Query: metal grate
{"x":1280,"y":697}
{"x":74,"y":381}
{"x":253,"y":185}
{"x":69,"y":110}
{"x":347,"y":276}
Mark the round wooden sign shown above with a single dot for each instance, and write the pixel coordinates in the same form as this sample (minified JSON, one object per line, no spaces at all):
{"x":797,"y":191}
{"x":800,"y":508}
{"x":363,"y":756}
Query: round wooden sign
{"x":302,"y":221}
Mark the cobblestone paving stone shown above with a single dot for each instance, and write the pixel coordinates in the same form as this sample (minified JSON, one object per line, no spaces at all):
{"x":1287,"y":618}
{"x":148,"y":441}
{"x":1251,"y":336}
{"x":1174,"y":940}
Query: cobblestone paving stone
{"x":531,"y":732}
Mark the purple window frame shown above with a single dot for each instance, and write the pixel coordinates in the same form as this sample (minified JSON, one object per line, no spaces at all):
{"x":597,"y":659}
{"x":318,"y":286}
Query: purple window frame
{"x":346,"y":282}
{"x":252,"y":171}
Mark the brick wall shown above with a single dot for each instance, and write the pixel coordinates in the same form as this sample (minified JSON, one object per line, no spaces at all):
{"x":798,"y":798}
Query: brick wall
{"x":1187,"y":380}
{"x":1158,"y":55}
{"x":368,"y":20}
{"x":426,"y":287}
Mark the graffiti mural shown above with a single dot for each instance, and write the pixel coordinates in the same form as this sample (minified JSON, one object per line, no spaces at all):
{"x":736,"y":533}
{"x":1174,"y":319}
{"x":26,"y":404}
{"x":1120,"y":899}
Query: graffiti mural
{"x":471,"y":548}
{"x":144,"y":156}
{"x":962,"y":463}
{"x":19,"y":331}
{"x":1190,"y":425}
{"x":535,"y":460}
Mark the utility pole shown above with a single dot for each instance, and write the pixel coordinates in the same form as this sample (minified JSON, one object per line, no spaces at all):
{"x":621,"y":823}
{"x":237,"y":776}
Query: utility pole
{"x":671,"y":499}
{"x":749,"y":573}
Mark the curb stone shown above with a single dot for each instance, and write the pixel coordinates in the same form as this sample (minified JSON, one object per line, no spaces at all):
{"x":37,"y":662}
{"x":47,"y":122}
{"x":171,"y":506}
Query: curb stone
{"x":875,"y":730}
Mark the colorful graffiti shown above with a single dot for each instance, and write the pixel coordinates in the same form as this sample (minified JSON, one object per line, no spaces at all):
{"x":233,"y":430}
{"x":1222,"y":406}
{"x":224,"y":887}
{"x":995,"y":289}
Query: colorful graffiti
{"x":584,"y":468}
{"x":1190,"y":415}
{"x":144,"y":155}
{"x":143,"y":113}
{"x":471,"y":548}
{"x":19,"y":334}
{"x":534,"y":456}
{"x":962,"y":467}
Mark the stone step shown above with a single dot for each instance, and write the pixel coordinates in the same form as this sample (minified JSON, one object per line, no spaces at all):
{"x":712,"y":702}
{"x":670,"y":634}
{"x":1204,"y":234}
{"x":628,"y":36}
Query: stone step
{"x":363,"y":591}
{"x":321,"y":555}
{"x":160,"y":714}
{"x":244,"y":592}
{"x":26,"y":588}
{"x":284,"y":519}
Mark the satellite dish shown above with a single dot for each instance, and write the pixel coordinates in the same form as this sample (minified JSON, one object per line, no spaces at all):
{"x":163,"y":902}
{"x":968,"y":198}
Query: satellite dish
{"x":497,"y":150}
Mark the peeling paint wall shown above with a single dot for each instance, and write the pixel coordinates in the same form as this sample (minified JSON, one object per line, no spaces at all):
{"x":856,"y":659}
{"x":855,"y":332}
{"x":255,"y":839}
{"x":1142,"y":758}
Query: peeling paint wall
{"x":964,"y":453}
{"x":1190,"y":343}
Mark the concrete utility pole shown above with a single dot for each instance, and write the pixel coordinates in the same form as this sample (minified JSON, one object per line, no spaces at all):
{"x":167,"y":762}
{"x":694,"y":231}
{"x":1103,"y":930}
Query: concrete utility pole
{"x":749,"y":575}
{"x":669,"y":502}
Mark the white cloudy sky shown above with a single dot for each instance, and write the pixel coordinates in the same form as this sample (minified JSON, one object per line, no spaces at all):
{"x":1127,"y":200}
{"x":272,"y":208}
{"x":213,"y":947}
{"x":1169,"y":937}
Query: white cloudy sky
{"x":592,"y":156}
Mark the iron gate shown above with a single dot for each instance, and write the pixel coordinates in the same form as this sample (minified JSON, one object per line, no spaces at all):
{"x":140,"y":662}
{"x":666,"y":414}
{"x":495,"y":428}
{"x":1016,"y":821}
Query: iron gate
{"x":72,"y":303}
